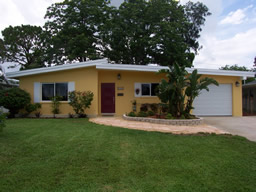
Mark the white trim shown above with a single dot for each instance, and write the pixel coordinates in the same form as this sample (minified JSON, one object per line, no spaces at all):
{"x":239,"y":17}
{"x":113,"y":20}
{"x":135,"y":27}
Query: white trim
{"x":55,"y":68}
{"x":104,"y":65}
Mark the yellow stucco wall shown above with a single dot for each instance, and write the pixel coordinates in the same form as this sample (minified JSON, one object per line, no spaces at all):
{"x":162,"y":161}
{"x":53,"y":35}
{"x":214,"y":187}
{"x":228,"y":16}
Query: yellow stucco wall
{"x":85,"y":79}
{"x":91,"y":79}
{"x":128,"y":79}
{"x":124,"y":103}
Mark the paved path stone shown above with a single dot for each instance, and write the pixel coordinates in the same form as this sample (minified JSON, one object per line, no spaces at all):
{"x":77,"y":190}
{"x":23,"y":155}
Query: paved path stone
{"x":120,"y":122}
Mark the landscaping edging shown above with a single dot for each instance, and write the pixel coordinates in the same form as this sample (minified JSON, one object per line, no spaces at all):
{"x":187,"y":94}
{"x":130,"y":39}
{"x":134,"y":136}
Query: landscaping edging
{"x":180,"y":122}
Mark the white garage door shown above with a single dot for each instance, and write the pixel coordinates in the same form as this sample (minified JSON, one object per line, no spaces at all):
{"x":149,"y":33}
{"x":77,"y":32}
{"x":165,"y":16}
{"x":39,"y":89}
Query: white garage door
{"x":216,"y":102}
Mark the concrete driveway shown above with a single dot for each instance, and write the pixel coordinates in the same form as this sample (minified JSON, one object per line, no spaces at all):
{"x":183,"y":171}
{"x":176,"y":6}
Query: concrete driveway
{"x":243,"y":126}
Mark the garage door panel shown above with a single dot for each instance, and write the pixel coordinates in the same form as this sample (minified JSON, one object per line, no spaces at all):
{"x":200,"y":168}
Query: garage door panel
{"x":216,"y":102}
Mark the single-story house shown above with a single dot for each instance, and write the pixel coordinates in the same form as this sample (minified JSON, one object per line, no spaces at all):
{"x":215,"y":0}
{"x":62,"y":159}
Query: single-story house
{"x":249,"y":98}
{"x":115,"y":86}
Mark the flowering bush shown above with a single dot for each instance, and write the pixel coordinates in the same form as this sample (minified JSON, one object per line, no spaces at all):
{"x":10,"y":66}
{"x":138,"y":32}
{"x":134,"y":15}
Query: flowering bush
{"x":14,"y":99}
{"x":80,"y":101}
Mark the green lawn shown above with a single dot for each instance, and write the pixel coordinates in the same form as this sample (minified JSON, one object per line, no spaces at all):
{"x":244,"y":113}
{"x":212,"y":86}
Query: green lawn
{"x":76,"y":155}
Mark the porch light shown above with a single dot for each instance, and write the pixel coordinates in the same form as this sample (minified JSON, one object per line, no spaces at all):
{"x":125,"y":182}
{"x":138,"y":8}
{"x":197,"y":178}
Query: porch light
{"x":118,"y":76}
{"x":237,"y":84}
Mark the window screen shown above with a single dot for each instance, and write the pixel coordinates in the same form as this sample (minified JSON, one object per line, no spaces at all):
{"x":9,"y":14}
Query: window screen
{"x":61,"y":89}
{"x":47,"y":91}
{"x":145,"y":89}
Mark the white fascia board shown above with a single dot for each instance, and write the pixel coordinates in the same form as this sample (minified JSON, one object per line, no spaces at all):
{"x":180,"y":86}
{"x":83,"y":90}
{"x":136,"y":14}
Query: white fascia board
{"x":146,"y":68}
{"x":222,"y":72}
{"x":126,"y":67}
{"x":104,"y":65}
{"x":55,"y":68}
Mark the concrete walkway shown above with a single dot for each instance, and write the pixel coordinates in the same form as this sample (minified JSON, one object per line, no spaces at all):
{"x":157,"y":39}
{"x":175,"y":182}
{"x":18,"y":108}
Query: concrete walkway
{"x":243,"y":126}
{"x":120,"y":122}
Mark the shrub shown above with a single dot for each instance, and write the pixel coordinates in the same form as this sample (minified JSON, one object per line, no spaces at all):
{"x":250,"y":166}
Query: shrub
{"x":142,"y":114}
{"x":154,"y":107}
{"x":55,"y":105}
{"x":144,"y":107}
{"x":14,"y":99}
{"x":169,"y":116}
{"x":132,"y":114}
{"x":80,"y":101}
{"x":38,"y":114}
{"x":151,"y":113}
{"x":33,"y":107}
{"x":71,"y":115}
{"x":2,"y":121}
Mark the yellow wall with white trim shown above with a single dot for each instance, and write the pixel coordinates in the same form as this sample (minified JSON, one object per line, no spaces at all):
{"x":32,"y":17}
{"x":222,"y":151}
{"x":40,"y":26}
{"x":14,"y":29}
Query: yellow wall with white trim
{"x":91,"y":79}
{"x":85,"y":79}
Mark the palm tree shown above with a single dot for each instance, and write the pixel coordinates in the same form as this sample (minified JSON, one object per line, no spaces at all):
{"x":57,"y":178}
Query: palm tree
{"x":195,"y":84}
{"x":180,"y":89}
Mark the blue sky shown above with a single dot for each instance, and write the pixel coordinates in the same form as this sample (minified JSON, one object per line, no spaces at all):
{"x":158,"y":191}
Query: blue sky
{"x":228,"y":37}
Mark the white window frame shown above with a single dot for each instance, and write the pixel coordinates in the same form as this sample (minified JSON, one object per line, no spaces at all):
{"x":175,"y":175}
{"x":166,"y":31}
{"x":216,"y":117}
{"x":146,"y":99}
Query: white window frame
{"x":54,"y":90}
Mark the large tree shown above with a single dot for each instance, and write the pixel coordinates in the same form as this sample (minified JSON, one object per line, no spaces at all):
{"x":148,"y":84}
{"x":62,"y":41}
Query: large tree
{"x":74,"y":27}
{"x":24,"y":45}
{"x":156,"y":31}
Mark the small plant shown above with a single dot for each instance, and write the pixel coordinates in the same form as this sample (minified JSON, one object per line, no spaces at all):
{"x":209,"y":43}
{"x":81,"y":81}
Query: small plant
{"x":71,"y":115}
{"x":55,"y":105}
{"x":2,"y":121}
{"x":80,"y":101}
{"x":151,"y":113}
{"x":142,"y":114}
{"x":144,"y":107}
{"x":38,"y":114}
{"x":33,"y":107}
{"x":169,"y":116}
{"x":132,"y":114}
{"x":182,"y":117}
{"x":154,"y":107}
{"x":134,"y":105}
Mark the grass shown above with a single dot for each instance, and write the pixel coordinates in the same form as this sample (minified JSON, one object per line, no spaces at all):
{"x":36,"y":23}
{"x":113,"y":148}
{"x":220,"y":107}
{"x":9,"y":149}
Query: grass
{"x":76,"y":155}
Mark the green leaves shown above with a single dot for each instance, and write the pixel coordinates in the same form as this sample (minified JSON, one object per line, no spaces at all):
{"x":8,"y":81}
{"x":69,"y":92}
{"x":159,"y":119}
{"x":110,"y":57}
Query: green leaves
{"x":181,"y":89}
{"x":23,"y":44}
{"x":74,"y":27}
{"x":163,"y":32}
{"x":14,"y":99}
{"x":80,"y":101}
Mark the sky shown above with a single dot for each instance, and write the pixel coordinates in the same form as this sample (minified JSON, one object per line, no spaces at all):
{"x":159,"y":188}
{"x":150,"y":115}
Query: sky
{"x":228,"y":37}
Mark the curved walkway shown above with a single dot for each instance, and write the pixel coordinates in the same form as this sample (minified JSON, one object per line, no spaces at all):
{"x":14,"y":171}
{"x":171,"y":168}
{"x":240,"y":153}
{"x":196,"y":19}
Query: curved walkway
{"x":120,"y":122}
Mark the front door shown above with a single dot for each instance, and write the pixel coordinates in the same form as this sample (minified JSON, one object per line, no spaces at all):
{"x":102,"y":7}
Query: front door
{"x":107,"y":97}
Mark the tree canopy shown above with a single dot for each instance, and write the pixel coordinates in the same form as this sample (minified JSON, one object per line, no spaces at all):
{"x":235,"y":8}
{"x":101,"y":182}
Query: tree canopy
{"x":138,"y":32}
{"x":24,"y":45}
{"x":156,"y":31}
{"x":74,"y":26}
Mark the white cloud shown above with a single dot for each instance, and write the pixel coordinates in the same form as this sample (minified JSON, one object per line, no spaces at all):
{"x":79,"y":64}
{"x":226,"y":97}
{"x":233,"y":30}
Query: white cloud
{"x":236,"y":17}
{"x":239,"y":49}
{"x":17,"y":12}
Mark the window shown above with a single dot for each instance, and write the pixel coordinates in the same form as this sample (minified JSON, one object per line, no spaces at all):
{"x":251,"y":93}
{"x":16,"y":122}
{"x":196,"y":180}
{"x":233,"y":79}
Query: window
{"x":154,"y":88}
{"x":148,"y":89}
{"x":145,"y":89}
{"x":50,"y":90}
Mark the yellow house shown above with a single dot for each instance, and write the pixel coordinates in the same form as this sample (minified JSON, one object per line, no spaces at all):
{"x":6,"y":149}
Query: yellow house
{"x":115,"y":86}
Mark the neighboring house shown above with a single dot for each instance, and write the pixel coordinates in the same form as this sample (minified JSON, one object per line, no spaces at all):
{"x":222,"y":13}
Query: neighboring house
{"x":116,"y":85}
{"x":249,"y":98}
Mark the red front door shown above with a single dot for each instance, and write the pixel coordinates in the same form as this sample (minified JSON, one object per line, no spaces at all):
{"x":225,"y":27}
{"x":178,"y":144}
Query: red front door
{"x":107,"y":97}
